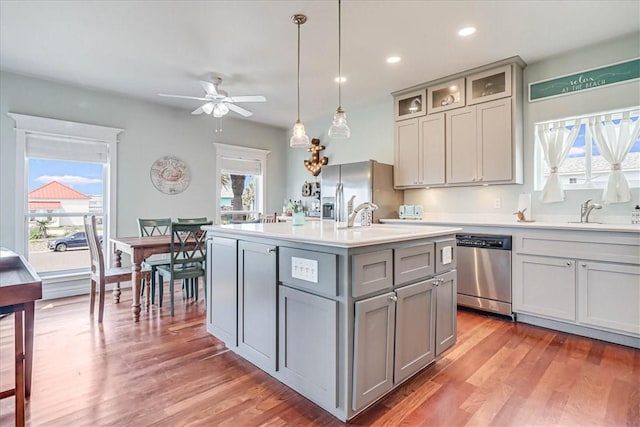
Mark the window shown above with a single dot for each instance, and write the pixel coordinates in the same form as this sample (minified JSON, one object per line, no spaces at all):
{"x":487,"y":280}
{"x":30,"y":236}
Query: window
{"x":67,"y":172}
{"x":241,"y":180}
{"x":584,"y":166}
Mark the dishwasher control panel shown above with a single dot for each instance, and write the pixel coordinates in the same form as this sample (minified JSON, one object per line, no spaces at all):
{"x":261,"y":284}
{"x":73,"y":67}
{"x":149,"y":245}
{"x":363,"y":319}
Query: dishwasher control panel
{"x":487,"y":241}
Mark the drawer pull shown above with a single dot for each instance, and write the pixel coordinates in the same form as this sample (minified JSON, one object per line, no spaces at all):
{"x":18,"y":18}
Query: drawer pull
{"x":271,"y":250}
{"x":568,"y":262}
{"x":584,"y":265}
{"x":393,"y":298}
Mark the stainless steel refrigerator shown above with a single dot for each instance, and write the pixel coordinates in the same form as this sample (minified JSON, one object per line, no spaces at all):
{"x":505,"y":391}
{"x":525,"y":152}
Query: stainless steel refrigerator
{"x":369,"y":181}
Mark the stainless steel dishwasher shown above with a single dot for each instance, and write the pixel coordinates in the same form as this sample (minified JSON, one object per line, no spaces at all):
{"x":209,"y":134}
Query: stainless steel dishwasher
{"x":484,"y":272}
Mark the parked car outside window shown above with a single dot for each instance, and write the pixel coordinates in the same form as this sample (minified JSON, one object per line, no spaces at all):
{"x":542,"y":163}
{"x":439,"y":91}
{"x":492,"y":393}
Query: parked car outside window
{"x":76,"y":239}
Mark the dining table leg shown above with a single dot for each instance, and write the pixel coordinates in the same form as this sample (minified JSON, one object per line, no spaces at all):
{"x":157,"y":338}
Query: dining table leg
{"x":116,"y":289}
{"x":136,"y":283}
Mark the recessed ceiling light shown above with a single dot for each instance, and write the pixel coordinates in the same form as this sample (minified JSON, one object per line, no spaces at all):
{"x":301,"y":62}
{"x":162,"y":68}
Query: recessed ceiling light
{"x":340,"y":79}
{"x":393,"y":59}
{"x":466,"y":31}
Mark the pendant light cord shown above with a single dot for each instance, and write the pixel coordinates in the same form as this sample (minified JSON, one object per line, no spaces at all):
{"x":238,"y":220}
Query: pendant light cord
{"x":298,"y":70}
{"x":339,"y":55}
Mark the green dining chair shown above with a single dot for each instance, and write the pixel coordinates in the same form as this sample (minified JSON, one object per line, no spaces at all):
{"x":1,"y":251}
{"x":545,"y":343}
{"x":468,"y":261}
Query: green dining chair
{"x":154,"y":227}
{"x":188,"y":256}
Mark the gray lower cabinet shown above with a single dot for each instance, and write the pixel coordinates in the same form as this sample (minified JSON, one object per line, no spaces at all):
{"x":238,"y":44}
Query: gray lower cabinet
{"x":446,"y":324}
{"x":257,"y":290}
{"x":222,"y":282}
{"x":415,"y":328}
{"x":308,"y":344}
{"x":374,"y":332}
{"x":398,"y":333}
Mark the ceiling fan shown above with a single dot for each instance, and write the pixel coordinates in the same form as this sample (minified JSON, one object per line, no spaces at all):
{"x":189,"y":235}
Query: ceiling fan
{"x":217,"y":101}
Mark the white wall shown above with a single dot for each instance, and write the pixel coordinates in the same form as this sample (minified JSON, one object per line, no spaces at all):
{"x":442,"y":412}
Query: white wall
{"x":150,"y":131}
{"x":372,"y":138}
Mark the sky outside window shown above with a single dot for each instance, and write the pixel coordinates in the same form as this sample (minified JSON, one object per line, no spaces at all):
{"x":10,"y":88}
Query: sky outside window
{"x":81,"y":176}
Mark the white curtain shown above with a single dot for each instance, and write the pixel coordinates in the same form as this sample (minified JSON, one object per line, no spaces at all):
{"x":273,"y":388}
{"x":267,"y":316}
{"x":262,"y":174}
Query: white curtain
{"x":614,"y":142}
{"x":556,"y":143}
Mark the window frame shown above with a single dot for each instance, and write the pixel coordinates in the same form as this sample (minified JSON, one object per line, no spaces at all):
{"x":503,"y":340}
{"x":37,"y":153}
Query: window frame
{"x":27,"y":125}
{"x":538,"y":155}
{"x":241,"y":153}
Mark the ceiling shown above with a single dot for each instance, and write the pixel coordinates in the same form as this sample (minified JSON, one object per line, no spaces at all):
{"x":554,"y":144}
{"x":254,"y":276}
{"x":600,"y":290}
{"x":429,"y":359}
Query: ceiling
{"x":142,"y":48}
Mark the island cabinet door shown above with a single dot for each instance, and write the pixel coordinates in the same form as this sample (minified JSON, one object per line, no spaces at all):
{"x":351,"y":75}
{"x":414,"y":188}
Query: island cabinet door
{"x":446,"y":311}
{"x":222,"y":280}
{"x":373,"y":348}
{"x":415,"y":328}
{"x":257,"y":304}
{"x":308,"y":350}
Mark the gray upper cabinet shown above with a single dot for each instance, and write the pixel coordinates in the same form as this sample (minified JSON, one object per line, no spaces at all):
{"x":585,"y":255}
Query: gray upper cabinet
{"x":410,"y":105}
{"x":482,"y":131}
{"x":419,"y":152}
{"x":257,"y":289}
{"x":222,"y":309}
{"x":480,"y":144}
{"x":489,"y":85}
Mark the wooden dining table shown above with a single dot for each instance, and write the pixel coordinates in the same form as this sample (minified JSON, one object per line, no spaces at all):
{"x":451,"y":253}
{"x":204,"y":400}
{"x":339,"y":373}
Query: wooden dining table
{"x":138,"y":248}
{"x":20,"y":287}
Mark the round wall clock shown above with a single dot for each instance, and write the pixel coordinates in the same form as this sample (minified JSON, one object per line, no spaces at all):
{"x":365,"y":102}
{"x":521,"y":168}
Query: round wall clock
{"x":170,"y":175}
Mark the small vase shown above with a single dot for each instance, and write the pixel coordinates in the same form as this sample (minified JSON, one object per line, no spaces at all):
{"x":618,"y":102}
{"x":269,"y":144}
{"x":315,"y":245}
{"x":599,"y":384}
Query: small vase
{"x":298,"y":218}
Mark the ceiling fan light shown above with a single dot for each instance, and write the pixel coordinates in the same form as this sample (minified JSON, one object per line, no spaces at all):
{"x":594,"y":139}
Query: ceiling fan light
{"x":207,"y":108}
{"x":339,"y":127}
{"x":220,"y":110}
{"x":299,"y":138}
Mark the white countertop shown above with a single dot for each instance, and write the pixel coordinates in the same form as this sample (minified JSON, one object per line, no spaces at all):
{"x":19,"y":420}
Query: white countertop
{"x":497,"y":222}
{"x":326,"y":233}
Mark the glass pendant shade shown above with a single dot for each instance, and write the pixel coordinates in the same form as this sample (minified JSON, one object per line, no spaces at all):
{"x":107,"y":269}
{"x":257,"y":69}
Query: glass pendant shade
{"x":339,"y":127}
{"x":299,"y":139}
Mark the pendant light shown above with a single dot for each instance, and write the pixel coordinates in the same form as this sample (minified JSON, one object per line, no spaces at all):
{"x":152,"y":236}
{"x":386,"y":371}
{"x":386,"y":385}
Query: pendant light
{"x":299,"y":139}
{"x":339,"y":128}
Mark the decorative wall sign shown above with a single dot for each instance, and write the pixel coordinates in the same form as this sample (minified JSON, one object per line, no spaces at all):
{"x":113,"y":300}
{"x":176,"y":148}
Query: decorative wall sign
{"x":170,"y":175}
{"x":315,"y":165}
{"x":621,"y":72}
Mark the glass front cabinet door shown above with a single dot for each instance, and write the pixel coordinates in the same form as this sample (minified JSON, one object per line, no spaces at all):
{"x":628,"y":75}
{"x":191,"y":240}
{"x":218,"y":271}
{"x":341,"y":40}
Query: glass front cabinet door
{"x":446,"y":96}
{"x":410,"y":105}
{"x":489,"y":85}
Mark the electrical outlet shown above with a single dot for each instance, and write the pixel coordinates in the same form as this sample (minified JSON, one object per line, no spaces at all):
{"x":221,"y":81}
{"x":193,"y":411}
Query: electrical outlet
{"x":497,"y":203}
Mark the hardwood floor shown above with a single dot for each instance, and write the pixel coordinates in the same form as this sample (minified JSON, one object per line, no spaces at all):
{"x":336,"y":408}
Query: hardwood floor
{"x":170,"y":371}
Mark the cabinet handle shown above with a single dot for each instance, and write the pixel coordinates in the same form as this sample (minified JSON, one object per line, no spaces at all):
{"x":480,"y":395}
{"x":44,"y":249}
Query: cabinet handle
{"x":584,"y":264}
{"x":271,"y":250}
{"x":568,"y":262}
{"x":393,"y":298}
{"x":473,"y":180}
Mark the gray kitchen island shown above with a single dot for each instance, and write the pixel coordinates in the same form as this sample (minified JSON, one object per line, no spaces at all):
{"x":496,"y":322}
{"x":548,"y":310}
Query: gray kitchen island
{"x":341,"y":315}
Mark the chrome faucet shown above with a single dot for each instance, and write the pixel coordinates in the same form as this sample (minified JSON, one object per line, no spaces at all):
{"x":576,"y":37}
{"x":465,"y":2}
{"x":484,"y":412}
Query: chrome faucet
{"x":356,"y":211}
{"x":585,"y":210}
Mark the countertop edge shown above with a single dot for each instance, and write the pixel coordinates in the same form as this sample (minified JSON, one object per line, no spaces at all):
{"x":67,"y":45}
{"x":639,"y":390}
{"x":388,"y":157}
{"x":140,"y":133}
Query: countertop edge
{"x":341,"y":241}
{"x":622,"y":228}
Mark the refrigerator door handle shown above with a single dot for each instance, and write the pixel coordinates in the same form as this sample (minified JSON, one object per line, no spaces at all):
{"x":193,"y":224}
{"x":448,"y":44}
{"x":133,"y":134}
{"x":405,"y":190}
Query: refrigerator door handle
{"x":339,"y":213}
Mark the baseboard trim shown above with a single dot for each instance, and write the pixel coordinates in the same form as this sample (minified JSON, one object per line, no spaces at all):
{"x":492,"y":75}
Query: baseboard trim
{"x":597,"y":334}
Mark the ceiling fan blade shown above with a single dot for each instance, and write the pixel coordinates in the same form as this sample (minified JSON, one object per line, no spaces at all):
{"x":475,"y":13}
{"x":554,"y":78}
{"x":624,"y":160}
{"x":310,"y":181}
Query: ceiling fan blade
{"x":239,"y":110}
{"x":181,"y":96}
{"x":247,"y":98}
{"x":209,"y":88}
{"x":198,"y":110}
